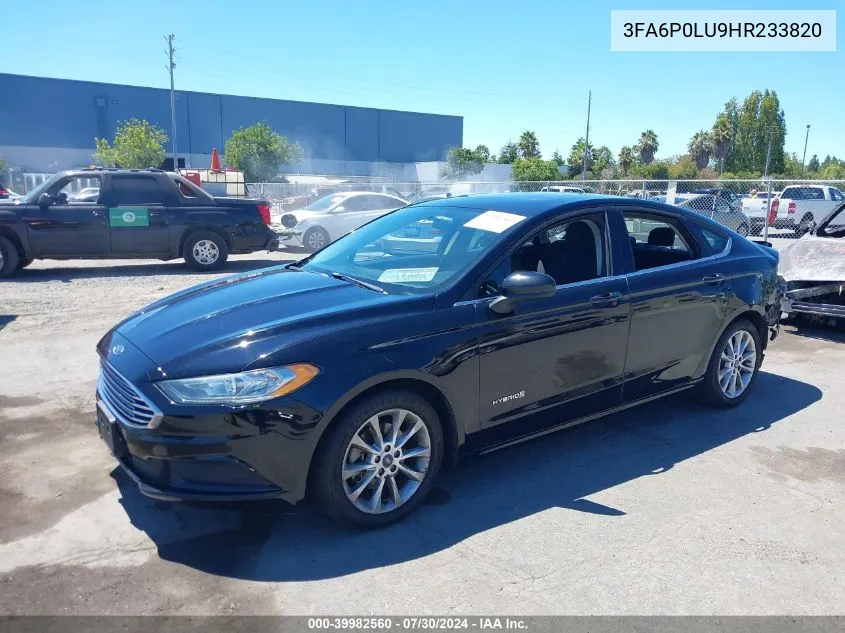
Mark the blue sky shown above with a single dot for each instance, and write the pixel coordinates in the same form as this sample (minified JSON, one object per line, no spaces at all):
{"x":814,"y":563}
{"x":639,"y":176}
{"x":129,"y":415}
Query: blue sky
{"x":504,"y":66}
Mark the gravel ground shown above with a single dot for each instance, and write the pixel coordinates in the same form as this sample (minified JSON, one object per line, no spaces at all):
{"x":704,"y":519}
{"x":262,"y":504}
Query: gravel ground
{"x":668,"y":509}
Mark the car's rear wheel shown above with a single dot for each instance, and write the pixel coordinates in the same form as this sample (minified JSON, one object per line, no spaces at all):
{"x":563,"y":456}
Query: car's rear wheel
{"x":316,"y":238}
{"x":380,"y":460}
{"x":8,"y":257}
{"x":733,"y":366}
{"x":205,"y":250}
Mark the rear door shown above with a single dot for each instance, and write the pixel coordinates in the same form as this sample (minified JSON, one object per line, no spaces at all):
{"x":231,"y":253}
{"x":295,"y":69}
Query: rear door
{"x":137,"y":214}
{"x":68,"y":228}
{"x":679,"y":297}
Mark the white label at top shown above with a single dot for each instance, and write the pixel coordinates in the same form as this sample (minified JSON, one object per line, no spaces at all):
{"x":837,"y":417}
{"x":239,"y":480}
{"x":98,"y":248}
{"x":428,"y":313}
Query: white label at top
{"x":494,"y":221}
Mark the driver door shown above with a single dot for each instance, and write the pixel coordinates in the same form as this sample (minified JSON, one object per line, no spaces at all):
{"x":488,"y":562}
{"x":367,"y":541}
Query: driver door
{"x":67,"y":228}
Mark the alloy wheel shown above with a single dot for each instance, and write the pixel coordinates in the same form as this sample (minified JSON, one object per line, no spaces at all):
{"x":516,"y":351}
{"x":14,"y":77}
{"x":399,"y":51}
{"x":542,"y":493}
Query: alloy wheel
{"x":737,"y":364}
{"x":386,"y":461}
{"x":206,"y":252}
{"x":316,"y":240}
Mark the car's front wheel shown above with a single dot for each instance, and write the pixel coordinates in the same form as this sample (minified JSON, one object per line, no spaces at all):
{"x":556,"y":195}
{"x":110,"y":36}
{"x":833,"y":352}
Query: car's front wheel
{"x":742,"y":229}
{"x":8,"y":257}
{"x":733,"y":366}
{"x":380,"y":460}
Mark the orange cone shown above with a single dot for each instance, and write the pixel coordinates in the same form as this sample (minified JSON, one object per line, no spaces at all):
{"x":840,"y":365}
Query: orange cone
{"x":215,"y":160}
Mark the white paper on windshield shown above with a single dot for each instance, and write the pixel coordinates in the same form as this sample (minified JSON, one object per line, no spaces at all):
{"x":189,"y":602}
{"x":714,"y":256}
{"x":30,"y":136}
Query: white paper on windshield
{"x":400,"y":275}
{"x":494,"y":221}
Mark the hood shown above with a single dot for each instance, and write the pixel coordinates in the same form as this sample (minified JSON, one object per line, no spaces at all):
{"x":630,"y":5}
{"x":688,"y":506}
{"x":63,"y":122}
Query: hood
{"x":814,"y":258}
{"x":231,"y":323}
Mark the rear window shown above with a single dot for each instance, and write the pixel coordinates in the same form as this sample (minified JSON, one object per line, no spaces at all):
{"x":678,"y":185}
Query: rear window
{"x":717,"y":241}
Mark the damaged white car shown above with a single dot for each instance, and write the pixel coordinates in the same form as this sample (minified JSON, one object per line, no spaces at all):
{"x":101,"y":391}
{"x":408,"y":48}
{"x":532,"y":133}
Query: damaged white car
{"x":814,"y":270}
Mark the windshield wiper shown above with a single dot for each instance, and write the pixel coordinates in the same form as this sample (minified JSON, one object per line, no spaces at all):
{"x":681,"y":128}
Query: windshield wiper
{"x":358,"y":282}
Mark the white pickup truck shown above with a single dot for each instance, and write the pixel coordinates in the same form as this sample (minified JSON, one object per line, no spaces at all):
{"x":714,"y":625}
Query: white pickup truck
{"x":757,"y":209}
{"x":798,"y":206}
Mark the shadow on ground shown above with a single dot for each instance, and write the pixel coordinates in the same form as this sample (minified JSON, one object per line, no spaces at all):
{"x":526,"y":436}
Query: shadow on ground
{"x":176,"y":267}
{"x":823,"y":332}
{"x":6,"y":319}
{"x":271,"y":541}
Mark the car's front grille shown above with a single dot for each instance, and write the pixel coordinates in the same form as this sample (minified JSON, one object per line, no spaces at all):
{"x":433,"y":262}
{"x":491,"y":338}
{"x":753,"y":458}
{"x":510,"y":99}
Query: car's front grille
{"x":129,"y":406}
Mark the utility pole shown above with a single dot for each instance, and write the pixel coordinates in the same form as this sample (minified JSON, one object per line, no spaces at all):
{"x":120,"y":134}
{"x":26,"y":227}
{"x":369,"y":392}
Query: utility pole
{"x":804,"y":159}
{"x":587,"y":136}
{"x":170,"y":66}
{"x":768,"y":155}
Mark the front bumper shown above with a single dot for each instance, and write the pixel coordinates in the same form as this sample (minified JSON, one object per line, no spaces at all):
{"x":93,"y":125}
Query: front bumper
{"x":201,"y":453}
{"x":800,"y":300}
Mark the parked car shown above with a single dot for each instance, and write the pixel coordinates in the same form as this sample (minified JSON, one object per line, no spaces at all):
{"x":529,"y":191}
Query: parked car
{"x":814,"y":269}
{"x":562,"y":189}
{"x":8,"y":194}
{"x":716,"y":208}
{"x":352,"y":375}
{"x":798,"y":206}
{"x":335,"y":215}
{"x":720,"y":192}
{"x":138,"y":214}
{"x":756,"y":208}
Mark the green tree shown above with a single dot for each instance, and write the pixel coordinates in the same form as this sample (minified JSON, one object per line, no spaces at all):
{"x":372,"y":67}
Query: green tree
{"x":602,"y":161}
{"x":483,"y":153}
{"x":627,"y":159}
{"x":529,"y":146}
{"x":2,"y":164}
{"x":657,"y":170}
{"x":509,"y":153}
{"x":701,"y":148}
{"x":759,"y":120}
{"x":259,"y":152}
{"x":576,"y":156}
{"x":462,"y":162}
{"x":647,"y":146}
{"x":833,"y":171}
{"x":558,"y":159}
{"x":722,"y":135}
{"x":137,"y":144}
{"x":814,"y":165}
{"x":685,"y":168}
{"x":532,"y":169}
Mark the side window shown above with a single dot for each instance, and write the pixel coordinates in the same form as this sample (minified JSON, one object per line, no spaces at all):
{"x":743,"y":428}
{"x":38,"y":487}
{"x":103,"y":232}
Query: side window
{"x":353,"y":203}
{"x":814,"y":193}
{"x":78,"y":190}
{"x":722,"y":206}
{"x":134,"y":190}
{"x":657,"y":241}
{"x":835,"y":194}
{"x":716,"y":241}
{"x":569,"y":252}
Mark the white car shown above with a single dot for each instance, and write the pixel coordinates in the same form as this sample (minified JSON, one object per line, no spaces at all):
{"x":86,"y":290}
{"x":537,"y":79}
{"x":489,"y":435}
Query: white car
{"x":333,"y":216}
{"x":800,"y":206}
{"x":561,"y":189}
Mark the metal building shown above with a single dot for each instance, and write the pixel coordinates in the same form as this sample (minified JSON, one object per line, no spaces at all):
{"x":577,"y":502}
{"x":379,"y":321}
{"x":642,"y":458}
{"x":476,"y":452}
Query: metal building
{"x":50,"y":124}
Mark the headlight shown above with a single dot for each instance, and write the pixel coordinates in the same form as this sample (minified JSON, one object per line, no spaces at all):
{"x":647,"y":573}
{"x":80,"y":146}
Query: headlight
{"x":243,"y":388}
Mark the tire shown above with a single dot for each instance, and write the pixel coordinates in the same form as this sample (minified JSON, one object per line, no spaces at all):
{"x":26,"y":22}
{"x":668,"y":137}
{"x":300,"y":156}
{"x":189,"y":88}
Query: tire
{"x":742,"y":229}
{"x":205,"y":250}
{"x":316,"y":238}
{"x":710,"y":390}
{"x":23,"y":263}
{"x":8,"y":257}
{"x":334,"y":492}
{"x":803,"y":226}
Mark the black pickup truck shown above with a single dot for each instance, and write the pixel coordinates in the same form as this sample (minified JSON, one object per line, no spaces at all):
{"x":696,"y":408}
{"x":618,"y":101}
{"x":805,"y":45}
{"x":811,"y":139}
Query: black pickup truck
{"x":138,"y":214}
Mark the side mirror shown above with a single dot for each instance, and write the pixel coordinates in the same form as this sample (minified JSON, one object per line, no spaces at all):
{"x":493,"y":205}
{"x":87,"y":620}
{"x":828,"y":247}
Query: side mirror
{"x":523,"y":286}
{"x":45,"y":200}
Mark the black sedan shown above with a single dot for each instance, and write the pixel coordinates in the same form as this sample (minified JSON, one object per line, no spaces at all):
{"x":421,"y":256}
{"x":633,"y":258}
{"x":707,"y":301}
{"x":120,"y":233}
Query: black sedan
{"x":354,"y":374}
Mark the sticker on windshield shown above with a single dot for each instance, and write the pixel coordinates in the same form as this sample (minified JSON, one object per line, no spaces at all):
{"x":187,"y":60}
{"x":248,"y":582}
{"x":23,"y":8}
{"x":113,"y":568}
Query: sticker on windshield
{"x":400,"y":275}
{"x":494,"y":221}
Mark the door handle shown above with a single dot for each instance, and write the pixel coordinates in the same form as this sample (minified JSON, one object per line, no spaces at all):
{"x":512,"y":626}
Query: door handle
{"x":608,"y":299}
{"x":99,"y":212}
{"x":714,"y":278}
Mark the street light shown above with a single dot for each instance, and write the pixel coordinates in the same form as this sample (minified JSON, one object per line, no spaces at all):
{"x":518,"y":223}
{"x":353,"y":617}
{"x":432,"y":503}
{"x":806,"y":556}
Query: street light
{"x":805,"y":150}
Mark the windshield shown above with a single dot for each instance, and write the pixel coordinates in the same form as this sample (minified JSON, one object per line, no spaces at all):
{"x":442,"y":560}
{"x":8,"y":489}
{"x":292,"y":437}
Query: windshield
{"x":324,"y":203}
{"x":417,"y":248}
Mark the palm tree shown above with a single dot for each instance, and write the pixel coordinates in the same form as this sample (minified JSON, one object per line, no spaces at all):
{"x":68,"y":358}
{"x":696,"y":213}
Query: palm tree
{"x":647,"y":146}
{"x":626,"y":159}
{"x":529,"y":146}
{"x":722,"y":136}
{"x":701,"y":148}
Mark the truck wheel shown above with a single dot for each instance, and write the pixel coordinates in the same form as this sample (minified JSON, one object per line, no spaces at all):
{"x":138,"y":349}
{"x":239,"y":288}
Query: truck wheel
{"x":742,"y":229}
{"x":379,"y":461}
{"x":316,"y":238}
{"x":205,"y":250}
{"x":8,"y":257}
{"x":803,"y":226}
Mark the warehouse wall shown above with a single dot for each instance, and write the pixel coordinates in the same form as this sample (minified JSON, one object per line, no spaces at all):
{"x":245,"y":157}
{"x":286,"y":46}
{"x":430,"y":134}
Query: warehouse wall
{"x":48,"y":124}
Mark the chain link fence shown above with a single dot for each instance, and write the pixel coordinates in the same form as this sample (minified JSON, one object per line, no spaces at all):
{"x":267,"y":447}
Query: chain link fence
{"x":766,"y":208}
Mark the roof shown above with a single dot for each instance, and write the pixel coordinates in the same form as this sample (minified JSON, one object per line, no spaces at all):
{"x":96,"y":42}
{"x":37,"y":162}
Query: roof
{"x":534,"y":203}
